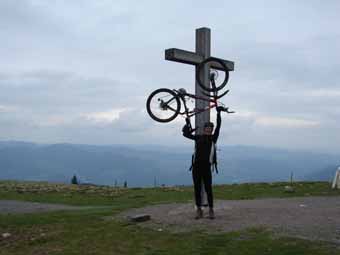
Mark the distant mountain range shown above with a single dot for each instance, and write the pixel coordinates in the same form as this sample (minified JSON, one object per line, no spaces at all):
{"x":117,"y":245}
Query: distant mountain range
{"x":146,"y":165}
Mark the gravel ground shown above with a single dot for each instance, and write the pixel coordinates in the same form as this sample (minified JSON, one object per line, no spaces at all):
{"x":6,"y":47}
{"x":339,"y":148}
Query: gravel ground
{"x":315,"y":218}
{"x":11,"y":207}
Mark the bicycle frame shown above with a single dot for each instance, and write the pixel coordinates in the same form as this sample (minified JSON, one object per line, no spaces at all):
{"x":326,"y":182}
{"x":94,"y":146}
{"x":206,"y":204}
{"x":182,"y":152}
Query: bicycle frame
{"x":189,"y":113}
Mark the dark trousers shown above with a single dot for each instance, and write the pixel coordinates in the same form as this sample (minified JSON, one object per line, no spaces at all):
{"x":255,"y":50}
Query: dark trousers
{"x":202,"y":172}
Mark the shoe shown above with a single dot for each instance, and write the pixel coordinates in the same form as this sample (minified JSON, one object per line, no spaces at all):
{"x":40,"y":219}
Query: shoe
{"x":211,"y":214}
{"x":199,"y":214}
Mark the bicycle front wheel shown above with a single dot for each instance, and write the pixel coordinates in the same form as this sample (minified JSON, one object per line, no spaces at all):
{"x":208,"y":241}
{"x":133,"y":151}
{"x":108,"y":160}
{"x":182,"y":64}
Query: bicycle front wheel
{"x":163,"y":105}
{"x":209,"y":62}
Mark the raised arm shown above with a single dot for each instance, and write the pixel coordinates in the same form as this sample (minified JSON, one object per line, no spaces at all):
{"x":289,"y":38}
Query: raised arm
{"x":218,"y":126}
{"x":188,"y":133}
{"x":188,"y":130}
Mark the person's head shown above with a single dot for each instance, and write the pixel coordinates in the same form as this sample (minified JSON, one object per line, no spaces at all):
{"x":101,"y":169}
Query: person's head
{"x":208,"y":128}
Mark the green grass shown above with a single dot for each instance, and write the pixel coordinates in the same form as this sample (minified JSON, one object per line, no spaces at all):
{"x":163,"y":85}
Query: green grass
{"x":135,"y":197}
{"x":86,"y":232}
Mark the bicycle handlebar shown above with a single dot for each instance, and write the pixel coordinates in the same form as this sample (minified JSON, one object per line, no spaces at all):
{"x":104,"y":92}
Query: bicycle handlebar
{"x":226,"y":109}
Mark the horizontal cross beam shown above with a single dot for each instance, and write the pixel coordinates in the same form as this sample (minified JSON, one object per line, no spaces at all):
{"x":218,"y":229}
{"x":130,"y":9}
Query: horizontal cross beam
{"x":192,"y":58}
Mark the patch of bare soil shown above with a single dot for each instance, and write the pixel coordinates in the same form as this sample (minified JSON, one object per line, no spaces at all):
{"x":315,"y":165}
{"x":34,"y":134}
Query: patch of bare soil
{"x":315,"y":218}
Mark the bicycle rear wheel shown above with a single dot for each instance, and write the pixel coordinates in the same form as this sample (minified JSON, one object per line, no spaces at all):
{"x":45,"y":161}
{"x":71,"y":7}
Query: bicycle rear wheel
{"x":210,"y":61}
{"x":163,"y":105}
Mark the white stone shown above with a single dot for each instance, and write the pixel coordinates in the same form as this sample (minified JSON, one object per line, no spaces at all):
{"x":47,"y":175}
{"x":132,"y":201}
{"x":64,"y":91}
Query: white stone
{"x":289,"y":189}
{"x":6,"y":235}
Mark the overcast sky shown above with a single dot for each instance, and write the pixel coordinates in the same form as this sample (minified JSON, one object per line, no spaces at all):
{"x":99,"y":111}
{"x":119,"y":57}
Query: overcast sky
{"x":80,"y":71}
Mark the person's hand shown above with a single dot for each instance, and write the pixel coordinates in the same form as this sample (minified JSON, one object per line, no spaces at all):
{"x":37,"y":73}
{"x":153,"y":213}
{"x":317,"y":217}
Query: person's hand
{"x":219,"y":109}
{"x":186,"y":129}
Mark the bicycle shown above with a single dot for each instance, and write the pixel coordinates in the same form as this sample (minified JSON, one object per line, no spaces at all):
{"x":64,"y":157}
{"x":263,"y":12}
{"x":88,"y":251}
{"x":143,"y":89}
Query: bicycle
{"x":167,"y":105}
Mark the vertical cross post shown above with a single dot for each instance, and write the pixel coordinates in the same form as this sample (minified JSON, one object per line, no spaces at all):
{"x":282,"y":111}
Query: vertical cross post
{"x":203,"y":39}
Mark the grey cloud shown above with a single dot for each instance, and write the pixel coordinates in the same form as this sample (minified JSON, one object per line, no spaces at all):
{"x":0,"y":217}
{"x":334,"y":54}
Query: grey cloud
{"x":50,"y":87}
{"x":18,"y":15}
{"x":46,"y":98}
{"x":290,"y":65}
{"x":63,"y":60}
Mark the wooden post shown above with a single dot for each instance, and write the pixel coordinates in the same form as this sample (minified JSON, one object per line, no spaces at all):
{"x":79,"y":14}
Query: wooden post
{"x":203,"y":49}
{"x":336,"y":180}
{"x":203,"y":39}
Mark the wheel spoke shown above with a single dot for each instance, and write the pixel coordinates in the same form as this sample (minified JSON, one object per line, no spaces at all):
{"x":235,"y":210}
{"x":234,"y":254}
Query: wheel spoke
{"x":163,"y":105}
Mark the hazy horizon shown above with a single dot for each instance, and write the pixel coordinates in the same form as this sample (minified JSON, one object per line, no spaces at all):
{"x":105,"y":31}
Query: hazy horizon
{"x":186,"y":146}
{"x":140,"y":165}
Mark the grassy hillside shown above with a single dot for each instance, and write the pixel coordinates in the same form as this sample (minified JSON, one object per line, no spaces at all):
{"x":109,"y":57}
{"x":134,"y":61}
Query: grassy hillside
{"x":86,"y":231}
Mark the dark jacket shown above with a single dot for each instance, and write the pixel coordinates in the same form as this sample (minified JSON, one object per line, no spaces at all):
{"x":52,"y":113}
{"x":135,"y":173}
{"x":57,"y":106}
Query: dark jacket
{"x":203,"y":143}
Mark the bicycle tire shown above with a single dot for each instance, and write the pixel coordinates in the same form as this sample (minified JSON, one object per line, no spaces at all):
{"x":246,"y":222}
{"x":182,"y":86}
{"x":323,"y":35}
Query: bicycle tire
{"x":175,"y":111}
{"x":200,"y":67}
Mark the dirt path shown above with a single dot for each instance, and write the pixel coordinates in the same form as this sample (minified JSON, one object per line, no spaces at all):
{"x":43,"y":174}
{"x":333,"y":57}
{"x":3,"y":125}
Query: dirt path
{"x":316,"y":218}
{"x":13,"y":206}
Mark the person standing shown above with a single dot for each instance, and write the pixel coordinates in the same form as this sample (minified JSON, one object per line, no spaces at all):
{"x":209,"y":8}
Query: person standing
{"x":203,"y":160}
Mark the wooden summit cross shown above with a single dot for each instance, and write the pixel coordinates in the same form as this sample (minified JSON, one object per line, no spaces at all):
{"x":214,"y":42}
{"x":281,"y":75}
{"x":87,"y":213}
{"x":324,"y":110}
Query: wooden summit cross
{"x":203,"y":39}
{"x":194,"y":58}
